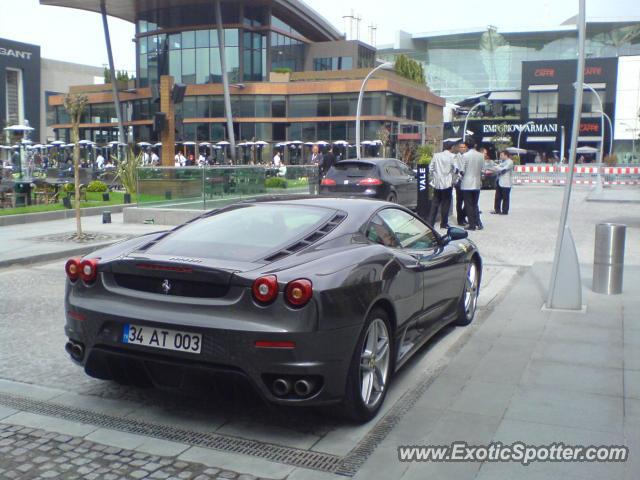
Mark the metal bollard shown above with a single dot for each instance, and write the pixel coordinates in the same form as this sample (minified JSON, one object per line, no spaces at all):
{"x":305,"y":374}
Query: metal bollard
{"x":106,"y":217}
{"x":608,"y":258}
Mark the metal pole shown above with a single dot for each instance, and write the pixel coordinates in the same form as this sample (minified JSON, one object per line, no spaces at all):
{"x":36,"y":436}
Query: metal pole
{"x":599,"y":180}
{"x":466,"y":120}
{"x":610,"y":132}
{"x":112,"y":70}
{"x":225,"y":83}
{"x":575,"y":129}
{"x":562,"y":140}
{"x":359,"y":107}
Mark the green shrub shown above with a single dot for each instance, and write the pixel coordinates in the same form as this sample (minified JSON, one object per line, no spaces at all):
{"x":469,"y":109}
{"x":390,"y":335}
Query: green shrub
{"x":97,"y":186}
{"x":425,"y":154}
{"x":275,"y":182}
{"x":282,"y":70}
{"x":69,"y":187}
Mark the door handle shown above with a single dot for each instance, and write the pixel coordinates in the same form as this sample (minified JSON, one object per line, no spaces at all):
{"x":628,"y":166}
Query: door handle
{"x":417,"y":267}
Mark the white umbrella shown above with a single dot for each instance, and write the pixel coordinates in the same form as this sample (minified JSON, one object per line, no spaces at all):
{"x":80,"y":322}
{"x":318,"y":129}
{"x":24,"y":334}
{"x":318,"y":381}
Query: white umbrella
{"x":242,"y":144}
{"x":262,"y":143}
{"x":309,"y":144}
{"x":205,"y":144}
{"x":19,"y":128}
{"x":57,"y":142}
{"x":587,"y":150}
{"x":84,"y":142}
{"x":5,"y":147}
{"x":340,"y":142}
{"x":188,"y":143}
{"x":282,"y":144}
{"x":322,"y":142}
{"x":223,"y":142}
{"x":144,"y":144}
{"x":452,"y":140}
{"x":366,"y":142}
{"x":113,"y":142}
{"x":159,"y":144}
{"x":37,"y":145}
{"x":516,"y":150}
{"x":296,"y":142}
{"x":70,"y":145}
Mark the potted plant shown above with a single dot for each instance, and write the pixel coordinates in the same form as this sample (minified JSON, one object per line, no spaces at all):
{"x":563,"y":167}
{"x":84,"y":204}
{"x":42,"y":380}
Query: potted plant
{"x":280,"y":74}
{"x":127,"y":169}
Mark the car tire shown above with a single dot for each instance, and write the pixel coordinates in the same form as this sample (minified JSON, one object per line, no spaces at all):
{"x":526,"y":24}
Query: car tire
{"x":468,"y":302}
{"x":392,"y":198}
{"x":363,"y":396}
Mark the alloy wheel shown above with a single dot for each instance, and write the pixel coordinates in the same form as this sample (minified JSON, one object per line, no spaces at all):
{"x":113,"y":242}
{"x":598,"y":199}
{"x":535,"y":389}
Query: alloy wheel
{"x":471,"y":291}
{"x":374,"y":363}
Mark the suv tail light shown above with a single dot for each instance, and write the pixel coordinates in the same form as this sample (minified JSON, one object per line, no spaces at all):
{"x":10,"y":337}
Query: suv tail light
{"x":328,"y":182}
{"x":265,"y":289}
{"x":299,"y":292}
{"x":72,"y":269}
{"x":88,"y":270}
{"x":370,"y":182}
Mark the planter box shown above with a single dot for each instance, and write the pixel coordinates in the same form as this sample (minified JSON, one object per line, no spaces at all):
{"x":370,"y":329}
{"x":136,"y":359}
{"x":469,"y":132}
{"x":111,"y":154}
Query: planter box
{"x":279,"y":77}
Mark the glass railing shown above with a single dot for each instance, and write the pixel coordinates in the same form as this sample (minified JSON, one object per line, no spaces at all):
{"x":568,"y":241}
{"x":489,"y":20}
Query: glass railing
{"x":215,"y":186}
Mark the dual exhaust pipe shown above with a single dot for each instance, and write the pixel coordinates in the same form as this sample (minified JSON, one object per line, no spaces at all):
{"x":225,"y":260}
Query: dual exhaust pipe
{"x":75,"y":350}
{"x":302,"y":387}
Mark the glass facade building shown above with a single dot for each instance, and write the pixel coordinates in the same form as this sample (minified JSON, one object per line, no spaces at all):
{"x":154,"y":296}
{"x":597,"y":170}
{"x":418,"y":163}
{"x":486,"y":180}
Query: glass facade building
{"x":461,"y":64}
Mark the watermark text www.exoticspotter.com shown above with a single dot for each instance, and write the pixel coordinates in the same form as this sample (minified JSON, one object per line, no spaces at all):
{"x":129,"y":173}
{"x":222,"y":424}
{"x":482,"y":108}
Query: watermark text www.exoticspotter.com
{"x":516,"y":452}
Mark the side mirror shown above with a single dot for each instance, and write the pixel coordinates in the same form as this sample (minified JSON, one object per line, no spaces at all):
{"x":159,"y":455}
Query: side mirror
{"x":455,"y":233}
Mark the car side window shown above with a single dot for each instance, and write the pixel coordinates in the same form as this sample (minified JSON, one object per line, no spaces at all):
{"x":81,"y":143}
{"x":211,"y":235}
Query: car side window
{"x":410,"y":232}
{"x":393,"y":171}
{"x":379,"y":232}
{"x":404,"y":170}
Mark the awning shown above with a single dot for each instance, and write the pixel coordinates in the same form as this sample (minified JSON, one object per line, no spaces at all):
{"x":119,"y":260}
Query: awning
{"x":514,"y":95}
{"x":543,"y":88}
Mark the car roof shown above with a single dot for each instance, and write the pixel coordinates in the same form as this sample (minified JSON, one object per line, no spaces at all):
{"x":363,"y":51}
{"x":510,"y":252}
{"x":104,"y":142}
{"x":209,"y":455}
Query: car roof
{"x":371,"y":160}
{"x":359,"y":207}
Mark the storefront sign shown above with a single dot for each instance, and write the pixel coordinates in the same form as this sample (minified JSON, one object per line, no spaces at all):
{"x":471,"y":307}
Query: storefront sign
{"x":8,"y":52}
{"x":590,"y":128}
{"x":529,"y":128}
{"x":545,"y":72}
{"x":593,"y":71}
{"x":424,"y":205}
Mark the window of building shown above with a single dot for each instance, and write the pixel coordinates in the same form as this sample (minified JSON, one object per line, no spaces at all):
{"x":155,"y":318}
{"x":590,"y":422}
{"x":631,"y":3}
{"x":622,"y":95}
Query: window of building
{"x":14,"y":95}
{"x":51,"y":111}
{"x":309,"y":106}
{"x":255,"y":16}
{"x":590,"y":103}
{"x":278,"y":107}
{"x":543,"y":101}
{"x":332,"y":63}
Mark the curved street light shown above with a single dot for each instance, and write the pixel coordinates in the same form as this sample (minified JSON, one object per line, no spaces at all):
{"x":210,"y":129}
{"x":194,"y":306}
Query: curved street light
{"x":466,"y":119}
{"x":385,"y":66}
{"x":598,"y":187}
{"x":530,"y":122}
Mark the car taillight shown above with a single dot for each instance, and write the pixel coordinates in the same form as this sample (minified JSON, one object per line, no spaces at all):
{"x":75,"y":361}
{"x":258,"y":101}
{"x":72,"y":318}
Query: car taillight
{"x":370,"y":181}
{"x":328,"y":182}
{"x":72,"y":269}
{"x":89,"y":270}
{"x":265,"y":289}
{"x":299,"y":292}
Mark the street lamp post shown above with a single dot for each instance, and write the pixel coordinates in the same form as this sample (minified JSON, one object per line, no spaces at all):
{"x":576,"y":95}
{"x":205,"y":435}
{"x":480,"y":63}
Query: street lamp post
{"x":598,"y":187}
{"x":610,"y":131}
{"x":386,"y":65}
{"x":466,"y":119}
{"x":530,"y":122}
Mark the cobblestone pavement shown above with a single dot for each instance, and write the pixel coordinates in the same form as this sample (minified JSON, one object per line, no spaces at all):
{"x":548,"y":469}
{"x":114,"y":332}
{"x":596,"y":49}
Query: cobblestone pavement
{"x":27,"y":453}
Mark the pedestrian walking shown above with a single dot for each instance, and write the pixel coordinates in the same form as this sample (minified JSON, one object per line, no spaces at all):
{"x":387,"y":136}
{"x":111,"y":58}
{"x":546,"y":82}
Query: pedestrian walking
{"x":503,"y":184}
{"x":441,"y":171}
{"x":471,"y":183}
{"x":459,"y":150}
{"x":327,"y":162}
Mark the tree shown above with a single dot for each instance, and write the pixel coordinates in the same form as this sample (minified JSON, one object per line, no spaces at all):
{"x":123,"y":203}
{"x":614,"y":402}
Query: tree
{"x":384,"y":135}
{"x":408,"y":152}
{"x":121,"y":76}
{"x":408,"y":68}
{"x":75,"y":105}
{"x":501,"y":139}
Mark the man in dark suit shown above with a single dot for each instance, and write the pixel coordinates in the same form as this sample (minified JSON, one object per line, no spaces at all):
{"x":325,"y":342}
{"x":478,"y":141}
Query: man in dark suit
{"x":327,"y":162}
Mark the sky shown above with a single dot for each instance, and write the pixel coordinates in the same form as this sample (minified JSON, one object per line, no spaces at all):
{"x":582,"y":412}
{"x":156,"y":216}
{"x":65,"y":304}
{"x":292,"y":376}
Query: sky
{"x":76,"y":36}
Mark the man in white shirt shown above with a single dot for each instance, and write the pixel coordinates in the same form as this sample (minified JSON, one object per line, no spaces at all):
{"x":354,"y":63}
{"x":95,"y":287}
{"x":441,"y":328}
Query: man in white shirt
{"x":276,"y":160}
{"x":471,"y":183}
{"x":100,"y":161}
{"x":441,"y":179}
{"x":155,"y":159}
{"x":503,"y":184}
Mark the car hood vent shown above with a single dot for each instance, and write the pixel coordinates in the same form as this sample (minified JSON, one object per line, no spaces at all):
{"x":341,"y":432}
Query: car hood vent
{"x":309,"y":239}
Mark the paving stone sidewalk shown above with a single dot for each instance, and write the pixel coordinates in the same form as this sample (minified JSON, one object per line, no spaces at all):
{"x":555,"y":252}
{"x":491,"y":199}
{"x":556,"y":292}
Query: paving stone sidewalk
{"x":27,"y":453}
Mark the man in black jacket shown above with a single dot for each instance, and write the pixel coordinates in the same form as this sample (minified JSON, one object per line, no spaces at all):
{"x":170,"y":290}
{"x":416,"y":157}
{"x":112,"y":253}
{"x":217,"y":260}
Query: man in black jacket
{"x":327,"y":162}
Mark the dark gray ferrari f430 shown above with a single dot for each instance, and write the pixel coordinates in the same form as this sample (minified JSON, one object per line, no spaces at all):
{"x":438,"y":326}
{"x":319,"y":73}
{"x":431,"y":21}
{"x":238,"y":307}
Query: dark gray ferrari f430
{"x":313,"y":300}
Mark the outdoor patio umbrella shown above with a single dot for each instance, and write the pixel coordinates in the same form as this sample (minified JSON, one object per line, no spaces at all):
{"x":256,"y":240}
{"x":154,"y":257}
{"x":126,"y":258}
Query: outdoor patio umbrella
{"x":144,"y":144}
{"x":19,"y":128}
{"x":587,"y":150}
{"x":516,"y":150}
{"x":341,"y":142}
{"x":159,"y":144}
{"x":223,"y":142}
{"x":262,"y":143}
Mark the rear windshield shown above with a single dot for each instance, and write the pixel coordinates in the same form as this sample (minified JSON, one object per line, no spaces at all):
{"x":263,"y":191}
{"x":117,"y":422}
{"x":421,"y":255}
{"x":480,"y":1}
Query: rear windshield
{"x":247,"y":233}
{"x":352,"y":169}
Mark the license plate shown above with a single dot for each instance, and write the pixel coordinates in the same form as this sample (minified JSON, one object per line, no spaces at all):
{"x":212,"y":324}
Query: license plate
{"x":162,"y":338}
{"x":346,"y":182}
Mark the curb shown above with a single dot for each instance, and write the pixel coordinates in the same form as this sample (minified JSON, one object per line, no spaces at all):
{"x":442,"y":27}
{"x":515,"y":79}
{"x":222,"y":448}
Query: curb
{"x":22,"y":218}
{"x":47,"y":257}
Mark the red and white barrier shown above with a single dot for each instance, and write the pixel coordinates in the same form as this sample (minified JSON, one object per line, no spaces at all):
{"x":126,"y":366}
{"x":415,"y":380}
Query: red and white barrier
{"x":584,"y":175}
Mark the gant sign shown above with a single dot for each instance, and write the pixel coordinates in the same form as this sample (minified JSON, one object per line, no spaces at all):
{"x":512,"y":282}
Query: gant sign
{"x":9,"y":52}
{"x":529,"y":128}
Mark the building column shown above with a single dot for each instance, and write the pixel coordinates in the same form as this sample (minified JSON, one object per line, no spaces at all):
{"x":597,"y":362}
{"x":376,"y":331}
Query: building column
{"x":225,"y":83}
{"x":168,"y":135}
{"x":114,"y":82}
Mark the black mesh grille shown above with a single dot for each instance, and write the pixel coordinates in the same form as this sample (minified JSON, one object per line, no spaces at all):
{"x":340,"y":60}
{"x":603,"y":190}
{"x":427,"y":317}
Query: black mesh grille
{"x":173,"y":287}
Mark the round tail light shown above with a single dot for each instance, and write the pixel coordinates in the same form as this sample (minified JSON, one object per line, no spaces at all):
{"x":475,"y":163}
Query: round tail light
{"x":299,"y":292}
{"x":265,"y":289}
{"x":72,"y":269}
{"x":88,"y":270}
